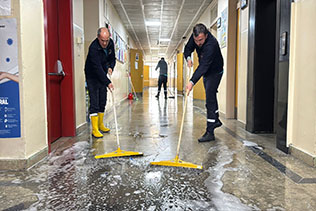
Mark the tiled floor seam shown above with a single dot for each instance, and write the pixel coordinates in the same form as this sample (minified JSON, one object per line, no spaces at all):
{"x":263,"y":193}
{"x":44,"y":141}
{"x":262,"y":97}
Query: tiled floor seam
{"x":279,"y":166}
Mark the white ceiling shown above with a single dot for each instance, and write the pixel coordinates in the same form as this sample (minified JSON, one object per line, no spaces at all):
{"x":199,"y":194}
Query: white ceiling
{"x":177,"y":18}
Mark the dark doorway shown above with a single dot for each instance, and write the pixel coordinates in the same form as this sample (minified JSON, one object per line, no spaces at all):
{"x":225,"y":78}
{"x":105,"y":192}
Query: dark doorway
{"x":261,"y":66}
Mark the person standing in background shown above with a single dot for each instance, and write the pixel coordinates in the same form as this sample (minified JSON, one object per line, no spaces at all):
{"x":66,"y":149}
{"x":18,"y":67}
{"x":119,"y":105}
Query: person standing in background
{"x":163,"y":76}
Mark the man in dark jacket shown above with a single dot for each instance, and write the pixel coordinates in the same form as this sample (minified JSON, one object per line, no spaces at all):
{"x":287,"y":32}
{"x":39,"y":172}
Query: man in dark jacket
{"x":100,"y":62}
{"x":211,"y":68}
{"x":163,"y":76}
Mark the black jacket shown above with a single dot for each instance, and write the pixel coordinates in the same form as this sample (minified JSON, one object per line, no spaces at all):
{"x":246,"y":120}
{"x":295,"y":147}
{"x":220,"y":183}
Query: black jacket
{"x":97,"y":62}
{"x":210,"y":57}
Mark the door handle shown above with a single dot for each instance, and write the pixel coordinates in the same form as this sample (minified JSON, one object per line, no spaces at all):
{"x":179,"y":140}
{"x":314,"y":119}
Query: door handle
{"x":58,"y":74}
{"x":60,"y":70}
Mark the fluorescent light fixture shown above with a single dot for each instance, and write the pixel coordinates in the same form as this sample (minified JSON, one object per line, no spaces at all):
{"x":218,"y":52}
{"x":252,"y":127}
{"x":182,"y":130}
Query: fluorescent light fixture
{"x":164,"y":39}
{"x":154,"y":48}
{"x":161,"y":54}
{"x":152,"y":23}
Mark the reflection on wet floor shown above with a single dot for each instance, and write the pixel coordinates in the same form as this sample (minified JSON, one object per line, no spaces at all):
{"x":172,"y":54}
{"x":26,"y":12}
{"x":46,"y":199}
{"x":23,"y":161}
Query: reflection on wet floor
{"x":233,"y":178}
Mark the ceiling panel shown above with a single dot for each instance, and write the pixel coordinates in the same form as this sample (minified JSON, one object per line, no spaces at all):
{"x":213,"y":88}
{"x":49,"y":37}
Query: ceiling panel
{"x":177,"y":18}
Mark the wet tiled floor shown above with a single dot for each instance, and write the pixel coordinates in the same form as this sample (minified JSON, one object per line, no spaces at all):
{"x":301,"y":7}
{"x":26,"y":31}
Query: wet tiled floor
{"x":241,"y":171}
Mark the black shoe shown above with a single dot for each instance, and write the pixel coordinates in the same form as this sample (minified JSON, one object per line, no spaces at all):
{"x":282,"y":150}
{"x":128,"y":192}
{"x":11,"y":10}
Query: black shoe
{"x":157,"y":96}
{"x":166,"y":97}
{"x":207,"y":137}
{"x":217,"y":124}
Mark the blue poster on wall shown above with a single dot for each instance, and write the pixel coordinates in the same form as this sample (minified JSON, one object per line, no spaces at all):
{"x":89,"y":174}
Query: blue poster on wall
{"x":10,"y":124}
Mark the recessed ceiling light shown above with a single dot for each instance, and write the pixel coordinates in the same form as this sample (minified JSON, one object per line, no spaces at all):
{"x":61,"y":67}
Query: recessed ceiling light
{"x":164,"y":39}
{"x":152,"y":23}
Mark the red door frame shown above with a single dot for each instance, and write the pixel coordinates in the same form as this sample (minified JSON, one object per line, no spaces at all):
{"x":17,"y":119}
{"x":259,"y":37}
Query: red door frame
{"x":65,"y":24}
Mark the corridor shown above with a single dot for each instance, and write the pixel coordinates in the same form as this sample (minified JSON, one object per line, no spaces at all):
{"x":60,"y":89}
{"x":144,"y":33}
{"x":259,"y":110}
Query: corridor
{"x":241,"y":171}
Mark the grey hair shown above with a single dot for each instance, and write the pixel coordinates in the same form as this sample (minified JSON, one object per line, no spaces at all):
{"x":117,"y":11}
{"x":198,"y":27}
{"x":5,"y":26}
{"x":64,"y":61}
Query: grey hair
{"x":198,"y":29}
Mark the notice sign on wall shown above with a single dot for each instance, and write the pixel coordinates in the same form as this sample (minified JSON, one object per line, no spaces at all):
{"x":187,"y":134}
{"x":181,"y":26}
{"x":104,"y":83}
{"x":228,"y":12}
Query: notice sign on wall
{"x":10,"y":124}
{"x":222,"y":32}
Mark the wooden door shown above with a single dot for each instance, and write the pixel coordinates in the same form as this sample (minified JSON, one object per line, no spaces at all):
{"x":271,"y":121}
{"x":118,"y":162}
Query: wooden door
{"x":137,"y":68}
{"x":180,"y":72}
{"x":146,"y":76}
{"x":199,"y":90}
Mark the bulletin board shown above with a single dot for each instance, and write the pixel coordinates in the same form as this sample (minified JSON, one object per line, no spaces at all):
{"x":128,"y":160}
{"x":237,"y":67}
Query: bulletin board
{"x":222,"y":30}
{"x":120,"y":45}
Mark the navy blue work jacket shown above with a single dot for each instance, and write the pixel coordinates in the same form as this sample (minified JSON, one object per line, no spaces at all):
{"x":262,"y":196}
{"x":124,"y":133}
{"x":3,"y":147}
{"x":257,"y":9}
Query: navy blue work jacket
{"x":210,"y":57}
{"x":98,"y":61}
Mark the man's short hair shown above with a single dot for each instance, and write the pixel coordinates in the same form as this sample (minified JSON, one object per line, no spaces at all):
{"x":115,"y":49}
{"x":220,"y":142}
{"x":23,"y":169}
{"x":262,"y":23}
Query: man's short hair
{"x":198,"y":29}
{"x":100,"y":29}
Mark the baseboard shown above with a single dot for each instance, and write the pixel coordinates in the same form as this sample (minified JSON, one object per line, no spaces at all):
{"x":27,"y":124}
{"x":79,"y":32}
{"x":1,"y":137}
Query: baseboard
{"x":222,"y":115}
{"x":20,"y":164}
{"x":241,"y":124}
{"x":81,"y":128}
{"x":303,"y":156}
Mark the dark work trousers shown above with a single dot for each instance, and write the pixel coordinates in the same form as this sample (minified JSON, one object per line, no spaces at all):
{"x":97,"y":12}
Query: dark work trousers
{"x":211,"y":83}
{"x":97,"y":95}
{"x":162,"y":81}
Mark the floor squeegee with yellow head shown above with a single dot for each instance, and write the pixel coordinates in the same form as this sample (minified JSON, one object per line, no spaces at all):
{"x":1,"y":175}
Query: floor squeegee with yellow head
{"x":176,"y":162}
{"x":118,"y":152}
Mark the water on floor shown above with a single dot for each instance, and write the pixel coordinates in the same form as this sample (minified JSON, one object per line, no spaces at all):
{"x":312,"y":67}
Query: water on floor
{"x":233,"y":177}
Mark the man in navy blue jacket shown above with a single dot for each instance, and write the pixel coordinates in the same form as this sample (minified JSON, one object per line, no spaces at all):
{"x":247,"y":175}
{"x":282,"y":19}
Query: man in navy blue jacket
{"x":163,"y":76}
{"x":211,"y":68}
{"x":100,"y":62}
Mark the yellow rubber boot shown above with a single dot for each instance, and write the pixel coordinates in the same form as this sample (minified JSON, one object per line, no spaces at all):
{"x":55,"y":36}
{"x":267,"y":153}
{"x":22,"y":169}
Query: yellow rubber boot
{"x":102,"y":128}
{"x":95,"y":130}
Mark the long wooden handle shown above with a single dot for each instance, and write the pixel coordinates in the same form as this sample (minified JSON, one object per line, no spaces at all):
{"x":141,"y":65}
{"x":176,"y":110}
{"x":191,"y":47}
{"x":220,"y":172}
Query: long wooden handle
{"x":183,"y":115}
{"x":182,"y":121}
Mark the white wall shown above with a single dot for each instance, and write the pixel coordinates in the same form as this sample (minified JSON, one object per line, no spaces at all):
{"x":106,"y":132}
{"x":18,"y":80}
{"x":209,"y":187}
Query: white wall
{"x":79,"y":59}
{"x":222,"y":4}
{"x":243,"y":66}
{"x":91,"y":24}
{"x":33,"y":64}
{"x":301,"y":132}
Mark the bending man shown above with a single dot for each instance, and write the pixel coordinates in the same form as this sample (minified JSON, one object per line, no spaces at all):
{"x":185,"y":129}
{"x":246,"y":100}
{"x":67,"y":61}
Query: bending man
{"x":100,"y":62}
{"x":211,"y":68}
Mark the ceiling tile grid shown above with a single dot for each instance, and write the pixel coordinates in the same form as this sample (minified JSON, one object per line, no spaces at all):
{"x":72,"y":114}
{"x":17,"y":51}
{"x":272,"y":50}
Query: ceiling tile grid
{"x":176,"y":18}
